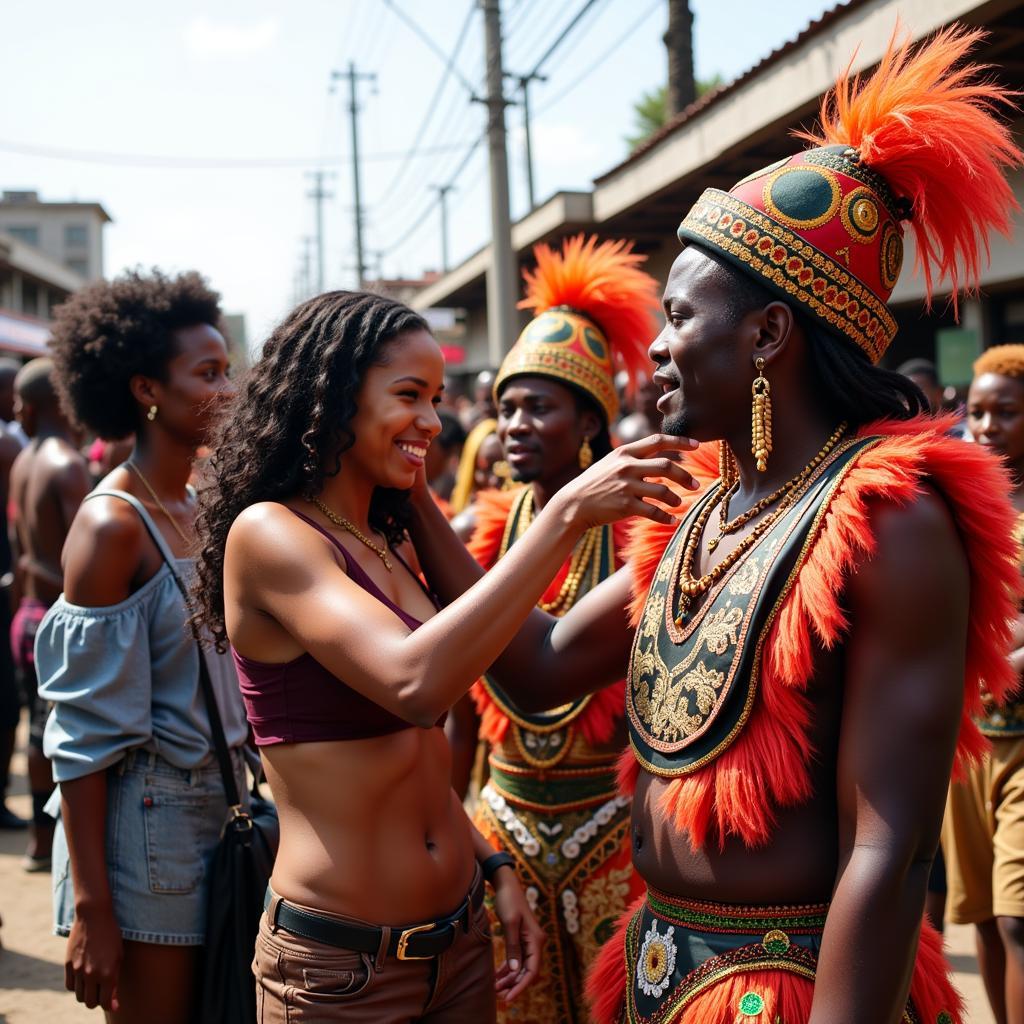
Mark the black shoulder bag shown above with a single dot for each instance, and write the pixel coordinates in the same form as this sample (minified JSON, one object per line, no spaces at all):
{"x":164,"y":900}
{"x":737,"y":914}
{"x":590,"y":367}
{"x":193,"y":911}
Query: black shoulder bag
{"x":238,"y":875}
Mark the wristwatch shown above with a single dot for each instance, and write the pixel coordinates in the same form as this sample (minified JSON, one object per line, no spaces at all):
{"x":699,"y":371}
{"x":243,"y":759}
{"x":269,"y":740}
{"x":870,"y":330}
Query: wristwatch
{"x":494,"y":862}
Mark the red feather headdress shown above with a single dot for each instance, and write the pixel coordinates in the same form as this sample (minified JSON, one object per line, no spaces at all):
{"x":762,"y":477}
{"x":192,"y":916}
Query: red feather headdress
{"x":596,"y":313}
{"x":926,"y":123}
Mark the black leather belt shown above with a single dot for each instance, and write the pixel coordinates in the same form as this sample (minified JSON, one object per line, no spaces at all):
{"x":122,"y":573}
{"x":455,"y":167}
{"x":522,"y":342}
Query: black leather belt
{"x":418,"y":942}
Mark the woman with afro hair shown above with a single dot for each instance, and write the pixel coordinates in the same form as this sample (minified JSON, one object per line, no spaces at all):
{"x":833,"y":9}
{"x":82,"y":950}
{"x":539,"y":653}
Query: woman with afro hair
{"x":348,"y":667}
{"x":141,"y":799}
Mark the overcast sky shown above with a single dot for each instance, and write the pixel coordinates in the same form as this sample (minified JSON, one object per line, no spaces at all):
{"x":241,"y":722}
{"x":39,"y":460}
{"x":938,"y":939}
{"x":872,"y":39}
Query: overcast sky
{"x":229,"y":104}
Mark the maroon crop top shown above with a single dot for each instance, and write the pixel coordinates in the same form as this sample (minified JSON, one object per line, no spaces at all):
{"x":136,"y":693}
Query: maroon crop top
{"x":300,"y":701}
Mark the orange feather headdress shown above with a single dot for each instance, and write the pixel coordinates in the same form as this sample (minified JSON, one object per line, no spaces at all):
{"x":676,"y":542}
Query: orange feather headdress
{"x":595,"y":315}
{"x":919,"y":140}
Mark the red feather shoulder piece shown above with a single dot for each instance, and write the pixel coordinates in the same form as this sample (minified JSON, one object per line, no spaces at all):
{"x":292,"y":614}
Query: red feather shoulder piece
{"x":766,"y":768}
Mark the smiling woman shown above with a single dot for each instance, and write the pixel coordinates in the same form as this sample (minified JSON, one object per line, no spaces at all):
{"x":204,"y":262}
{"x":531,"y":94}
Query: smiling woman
{"x":348,"y":666}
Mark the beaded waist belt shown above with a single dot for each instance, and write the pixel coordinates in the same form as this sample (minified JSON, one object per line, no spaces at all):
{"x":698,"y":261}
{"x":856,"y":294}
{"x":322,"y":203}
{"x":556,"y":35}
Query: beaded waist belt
{"x":676,"y":949}
{"x":554,"y":789}
{"x":736,"y":919}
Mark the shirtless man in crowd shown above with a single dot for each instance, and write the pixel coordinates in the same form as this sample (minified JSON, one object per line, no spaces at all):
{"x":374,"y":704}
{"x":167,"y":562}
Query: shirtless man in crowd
{"x":48,"y":481}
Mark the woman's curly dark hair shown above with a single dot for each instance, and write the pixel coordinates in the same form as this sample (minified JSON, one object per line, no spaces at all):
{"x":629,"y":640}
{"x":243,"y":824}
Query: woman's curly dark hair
{"x":108,"y":332}
{"x":289,"y":424}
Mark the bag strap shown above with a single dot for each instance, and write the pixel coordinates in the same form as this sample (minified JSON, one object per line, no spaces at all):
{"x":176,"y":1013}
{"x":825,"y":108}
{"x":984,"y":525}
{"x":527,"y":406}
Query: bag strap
{"x":220,"y":743}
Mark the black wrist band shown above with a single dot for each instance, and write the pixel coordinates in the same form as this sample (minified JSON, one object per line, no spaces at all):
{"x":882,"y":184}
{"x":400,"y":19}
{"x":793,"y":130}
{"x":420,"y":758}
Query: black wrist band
{"x":494,"y":862}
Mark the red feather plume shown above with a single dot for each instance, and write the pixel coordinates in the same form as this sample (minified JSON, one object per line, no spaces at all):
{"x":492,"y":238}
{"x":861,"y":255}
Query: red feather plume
{"x":928,"y":125}
{"x":603,"y":281}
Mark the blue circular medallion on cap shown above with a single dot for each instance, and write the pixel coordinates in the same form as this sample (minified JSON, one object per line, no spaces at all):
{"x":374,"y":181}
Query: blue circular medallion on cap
{"x":802,"y":197}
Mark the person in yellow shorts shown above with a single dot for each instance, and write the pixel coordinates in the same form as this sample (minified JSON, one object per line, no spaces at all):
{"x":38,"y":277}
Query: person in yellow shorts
{"x":983,"y":836}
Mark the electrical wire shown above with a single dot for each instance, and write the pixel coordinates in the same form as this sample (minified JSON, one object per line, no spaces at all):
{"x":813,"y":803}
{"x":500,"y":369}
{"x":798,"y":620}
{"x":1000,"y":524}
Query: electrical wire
{"x":153,"y":161}
{"x":428,"y":41}
{"x":416,"y":224}
{"x":432,"y":106}
{"x":580,"y":14}
{"x":591,"y":68}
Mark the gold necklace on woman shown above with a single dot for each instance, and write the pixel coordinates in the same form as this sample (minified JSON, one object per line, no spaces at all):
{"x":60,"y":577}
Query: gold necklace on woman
{"x":380,"y":550}
{"x":586,"y":559}
{"x":693,"y":587}
{"x":159,"y":504}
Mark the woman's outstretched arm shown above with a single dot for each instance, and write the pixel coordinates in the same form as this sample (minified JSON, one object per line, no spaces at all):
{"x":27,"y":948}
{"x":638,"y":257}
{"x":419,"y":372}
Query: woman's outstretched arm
{"x":287,"y":571}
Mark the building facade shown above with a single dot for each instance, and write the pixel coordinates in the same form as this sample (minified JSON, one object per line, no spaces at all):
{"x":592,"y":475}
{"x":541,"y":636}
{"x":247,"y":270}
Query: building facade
{"x":69,"y":233}
{"x":748,"y":124}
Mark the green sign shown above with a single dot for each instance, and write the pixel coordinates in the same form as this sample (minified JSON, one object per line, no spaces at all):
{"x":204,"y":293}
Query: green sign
{"x":957,"y":348}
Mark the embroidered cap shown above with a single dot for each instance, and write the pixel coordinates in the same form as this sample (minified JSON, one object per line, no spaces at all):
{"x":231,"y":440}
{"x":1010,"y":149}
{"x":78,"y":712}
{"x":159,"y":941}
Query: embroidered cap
{"x":595,"y":315}
{"x":824,"y":228}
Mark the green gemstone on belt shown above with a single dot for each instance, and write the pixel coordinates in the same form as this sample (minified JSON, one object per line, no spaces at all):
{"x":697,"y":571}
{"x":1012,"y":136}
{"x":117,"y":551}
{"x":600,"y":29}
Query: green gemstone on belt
{"x":751,"y":1004}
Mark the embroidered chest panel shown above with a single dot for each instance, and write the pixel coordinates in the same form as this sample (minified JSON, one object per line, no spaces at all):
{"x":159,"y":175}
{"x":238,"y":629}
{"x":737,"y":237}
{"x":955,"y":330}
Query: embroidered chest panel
{"x":691,"y":687}
{"x":546,"y":738}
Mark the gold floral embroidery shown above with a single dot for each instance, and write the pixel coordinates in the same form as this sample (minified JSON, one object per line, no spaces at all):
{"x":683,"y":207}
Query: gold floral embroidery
{"x":601,"y":904}
{"x":720,"y":630}
{"x":664,"y":570}
{"x":745,"y":579}
{"x":704,"y":683}
{"x":652,"y":615}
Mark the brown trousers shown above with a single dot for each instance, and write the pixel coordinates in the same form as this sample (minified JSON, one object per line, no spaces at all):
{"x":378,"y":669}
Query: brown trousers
{"x":300,"y":981}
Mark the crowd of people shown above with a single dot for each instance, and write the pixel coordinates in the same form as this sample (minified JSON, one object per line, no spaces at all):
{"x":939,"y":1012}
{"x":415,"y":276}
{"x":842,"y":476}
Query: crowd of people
{"x":628,"y":687}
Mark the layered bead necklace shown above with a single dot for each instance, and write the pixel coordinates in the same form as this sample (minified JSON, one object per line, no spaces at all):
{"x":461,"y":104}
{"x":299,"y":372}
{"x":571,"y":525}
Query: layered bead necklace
{"x":691,"y":587}
{"x":586,"y":560}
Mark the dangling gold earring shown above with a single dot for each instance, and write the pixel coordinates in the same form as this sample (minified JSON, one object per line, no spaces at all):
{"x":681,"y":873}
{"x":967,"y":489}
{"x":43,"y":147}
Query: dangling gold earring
{"x":727,"y":471}
{"x":151,"y":415}
{"x":586,"y":455}
{"x":761,"y":418}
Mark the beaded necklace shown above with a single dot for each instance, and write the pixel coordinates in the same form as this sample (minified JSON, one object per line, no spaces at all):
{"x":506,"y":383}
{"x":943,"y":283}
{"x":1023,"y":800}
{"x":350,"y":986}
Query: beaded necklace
{"x":692,"y":587}
{"x":586,"y":559}
{"x":726,"y":527}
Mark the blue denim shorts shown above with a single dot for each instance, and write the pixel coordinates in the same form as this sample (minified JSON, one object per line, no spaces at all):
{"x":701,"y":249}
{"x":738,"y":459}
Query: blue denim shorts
{"x":163,"y":825}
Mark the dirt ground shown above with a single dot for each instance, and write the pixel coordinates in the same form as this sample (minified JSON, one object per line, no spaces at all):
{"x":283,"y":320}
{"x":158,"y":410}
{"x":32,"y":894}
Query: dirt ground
{"x":31,"y":961}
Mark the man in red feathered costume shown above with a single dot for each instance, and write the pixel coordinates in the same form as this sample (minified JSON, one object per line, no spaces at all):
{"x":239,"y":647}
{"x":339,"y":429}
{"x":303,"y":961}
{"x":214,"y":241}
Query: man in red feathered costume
{"x":812,"y":638}
{"x":551,"y":800}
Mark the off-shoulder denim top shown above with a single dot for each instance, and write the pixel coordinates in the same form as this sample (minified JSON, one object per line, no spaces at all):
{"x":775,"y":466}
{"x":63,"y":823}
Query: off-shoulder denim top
{"x":126,"y":676}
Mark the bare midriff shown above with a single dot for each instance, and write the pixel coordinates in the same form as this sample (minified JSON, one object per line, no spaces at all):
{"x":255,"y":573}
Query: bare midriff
{"x":371,"y":828}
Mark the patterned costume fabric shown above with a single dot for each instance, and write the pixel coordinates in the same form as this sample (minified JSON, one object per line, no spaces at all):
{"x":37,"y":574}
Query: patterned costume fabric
{"x":718,"y":706}
{"x":693,"y":962}
{"x":552,"y":800}
{"x":719,"y":693}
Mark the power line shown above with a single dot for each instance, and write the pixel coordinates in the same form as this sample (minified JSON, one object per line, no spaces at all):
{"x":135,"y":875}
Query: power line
{"x":428,"y":42}
{"x":429,"y":209}
{"x":580,"y":14}
{"x":591,"y":68}
{"x":449,"y":67}
{"x":215,"y":163}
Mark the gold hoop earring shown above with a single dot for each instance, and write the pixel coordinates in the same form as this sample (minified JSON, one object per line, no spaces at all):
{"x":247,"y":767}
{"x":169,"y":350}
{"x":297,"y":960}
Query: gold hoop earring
{"x":761,"y":418}
{"x":586,"y":455}
{"x":151,"y":415}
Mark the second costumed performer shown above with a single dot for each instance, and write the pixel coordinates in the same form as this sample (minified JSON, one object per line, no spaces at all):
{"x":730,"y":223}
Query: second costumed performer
{"x":551,"y":800}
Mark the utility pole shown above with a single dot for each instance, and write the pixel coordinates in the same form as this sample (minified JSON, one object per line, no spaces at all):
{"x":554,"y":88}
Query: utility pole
{"x":306,"y":267}
{"x":318,"y":195}
{"x":442,"y":198}
{"x":354,"y":77}
{"x":678,"y":39}
{"x":524,"y":87}
{"x":501,"y":276}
